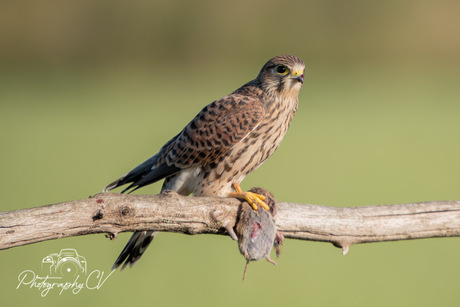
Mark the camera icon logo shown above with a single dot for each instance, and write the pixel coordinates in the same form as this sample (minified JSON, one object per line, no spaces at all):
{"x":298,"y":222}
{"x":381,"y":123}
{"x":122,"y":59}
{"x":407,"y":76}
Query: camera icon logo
{"x":66,"y":263}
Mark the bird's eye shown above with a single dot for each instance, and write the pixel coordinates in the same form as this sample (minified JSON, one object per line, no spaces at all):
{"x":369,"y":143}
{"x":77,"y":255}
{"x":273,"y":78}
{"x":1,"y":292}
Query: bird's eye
{"x":282,"y":70}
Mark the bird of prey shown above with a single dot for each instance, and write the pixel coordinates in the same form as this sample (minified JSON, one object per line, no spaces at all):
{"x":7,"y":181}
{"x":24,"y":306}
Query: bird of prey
{"x":227,"y":140}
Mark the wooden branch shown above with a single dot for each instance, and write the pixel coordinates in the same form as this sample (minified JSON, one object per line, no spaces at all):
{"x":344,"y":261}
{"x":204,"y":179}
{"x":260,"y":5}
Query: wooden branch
{"x":114,"y":213}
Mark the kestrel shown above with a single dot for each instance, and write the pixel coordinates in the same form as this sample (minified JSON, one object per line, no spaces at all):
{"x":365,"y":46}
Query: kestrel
{"x":227,"y":140}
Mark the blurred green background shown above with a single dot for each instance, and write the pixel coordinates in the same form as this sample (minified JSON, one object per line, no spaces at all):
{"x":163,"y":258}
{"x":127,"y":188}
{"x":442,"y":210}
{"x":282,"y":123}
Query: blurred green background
{"x":89,"y":89}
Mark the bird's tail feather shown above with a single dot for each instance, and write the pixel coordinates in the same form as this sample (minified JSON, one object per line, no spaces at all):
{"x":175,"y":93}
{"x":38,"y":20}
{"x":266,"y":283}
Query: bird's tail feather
{"x":143,"y":175}
{"x":114,"y":184}
{"x":134,"y":249}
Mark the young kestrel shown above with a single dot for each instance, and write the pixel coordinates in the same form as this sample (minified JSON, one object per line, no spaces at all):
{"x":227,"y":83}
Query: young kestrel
{"x":227,"y":140}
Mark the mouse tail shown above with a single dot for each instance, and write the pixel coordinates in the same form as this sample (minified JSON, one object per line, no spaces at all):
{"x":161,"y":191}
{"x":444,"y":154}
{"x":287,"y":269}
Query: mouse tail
{"x":245,"y":269}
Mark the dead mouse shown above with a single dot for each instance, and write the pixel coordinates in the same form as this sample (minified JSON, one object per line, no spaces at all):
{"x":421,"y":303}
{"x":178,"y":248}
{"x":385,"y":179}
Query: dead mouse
{"x":256,"y":230}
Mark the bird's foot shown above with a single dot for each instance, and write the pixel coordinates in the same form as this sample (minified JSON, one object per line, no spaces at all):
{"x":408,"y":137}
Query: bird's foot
{"x":251,"y":198}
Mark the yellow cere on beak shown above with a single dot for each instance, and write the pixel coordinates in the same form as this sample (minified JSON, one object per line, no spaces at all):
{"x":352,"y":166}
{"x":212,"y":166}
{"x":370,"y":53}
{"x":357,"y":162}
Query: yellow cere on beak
{"x":298,"y":75}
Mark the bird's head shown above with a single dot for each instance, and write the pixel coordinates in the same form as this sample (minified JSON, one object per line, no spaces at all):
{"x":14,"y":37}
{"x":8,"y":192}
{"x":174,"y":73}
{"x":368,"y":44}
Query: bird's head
{"x":282,"y":75}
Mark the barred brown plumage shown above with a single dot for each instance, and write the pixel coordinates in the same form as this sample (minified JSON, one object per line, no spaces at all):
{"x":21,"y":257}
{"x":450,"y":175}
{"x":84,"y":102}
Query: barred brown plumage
{"x":227,"y":140}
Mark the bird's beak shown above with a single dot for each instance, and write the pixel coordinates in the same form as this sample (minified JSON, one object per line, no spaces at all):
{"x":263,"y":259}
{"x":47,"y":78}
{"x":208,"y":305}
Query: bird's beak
{"x":298,"y":75}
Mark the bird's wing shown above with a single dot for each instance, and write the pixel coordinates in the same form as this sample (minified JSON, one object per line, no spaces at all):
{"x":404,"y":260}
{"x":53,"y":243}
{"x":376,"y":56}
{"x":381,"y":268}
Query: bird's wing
{"x":211,"y":134}
{"x":215,"y":130}
{"x":153,"y":169}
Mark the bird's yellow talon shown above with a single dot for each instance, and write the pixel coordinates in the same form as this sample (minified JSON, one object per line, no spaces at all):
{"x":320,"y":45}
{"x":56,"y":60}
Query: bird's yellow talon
{"x":264,"y":205}
{"x":253,"y":199}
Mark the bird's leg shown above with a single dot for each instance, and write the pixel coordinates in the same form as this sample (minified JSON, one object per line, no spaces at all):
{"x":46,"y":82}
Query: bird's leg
{"x":253,"y":199}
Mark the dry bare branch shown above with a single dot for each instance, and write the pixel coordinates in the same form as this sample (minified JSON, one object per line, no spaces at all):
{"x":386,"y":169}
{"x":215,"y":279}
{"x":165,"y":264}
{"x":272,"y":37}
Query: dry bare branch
{"x":114,"y":213}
